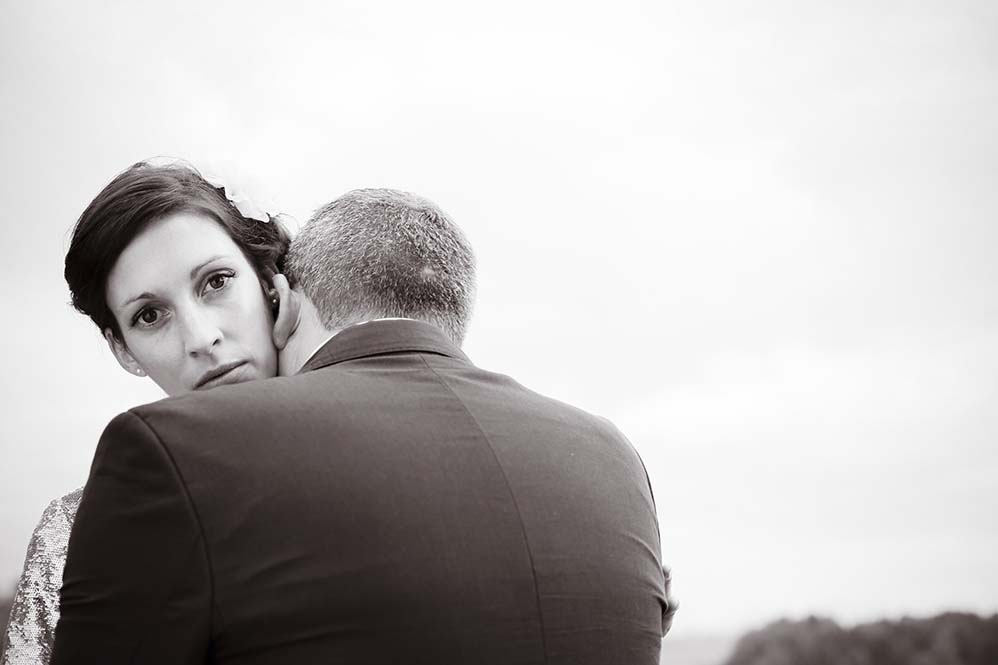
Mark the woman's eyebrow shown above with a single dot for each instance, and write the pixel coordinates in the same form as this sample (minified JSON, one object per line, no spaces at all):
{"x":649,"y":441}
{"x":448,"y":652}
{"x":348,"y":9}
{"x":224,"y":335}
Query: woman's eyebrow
{"x":197,"y":268}
{"x":141,"y":296}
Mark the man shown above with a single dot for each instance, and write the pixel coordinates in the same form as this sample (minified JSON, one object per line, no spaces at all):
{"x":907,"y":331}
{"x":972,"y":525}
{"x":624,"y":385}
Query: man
{"x":385,"y":501}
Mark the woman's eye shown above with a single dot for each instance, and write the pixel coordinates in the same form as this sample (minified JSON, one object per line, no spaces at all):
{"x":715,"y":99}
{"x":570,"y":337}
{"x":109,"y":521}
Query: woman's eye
{"x":217,"y":281}
{"x":147,"y":317}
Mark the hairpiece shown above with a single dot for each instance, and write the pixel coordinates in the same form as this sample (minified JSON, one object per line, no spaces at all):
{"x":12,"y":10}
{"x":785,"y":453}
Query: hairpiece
{"x":248,"y":206}
{"x":241,"y":191}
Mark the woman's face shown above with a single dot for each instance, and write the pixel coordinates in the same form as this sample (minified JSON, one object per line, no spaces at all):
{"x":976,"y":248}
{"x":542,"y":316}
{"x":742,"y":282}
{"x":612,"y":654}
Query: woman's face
{"x":190,"y":306}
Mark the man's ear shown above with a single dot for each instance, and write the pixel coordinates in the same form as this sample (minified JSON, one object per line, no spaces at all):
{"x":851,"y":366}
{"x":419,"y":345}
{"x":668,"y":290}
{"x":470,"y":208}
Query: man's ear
{"x":124,"y":358}
{"x":288,"y":313}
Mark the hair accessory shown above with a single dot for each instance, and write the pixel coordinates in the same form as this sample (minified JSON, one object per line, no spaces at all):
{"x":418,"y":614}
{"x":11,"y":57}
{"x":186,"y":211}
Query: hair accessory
{"x":242,"y":191}
{"x":249,"y":207}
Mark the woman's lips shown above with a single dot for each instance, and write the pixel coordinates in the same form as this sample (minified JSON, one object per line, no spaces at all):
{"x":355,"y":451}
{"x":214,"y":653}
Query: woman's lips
{"x":220,"y":375}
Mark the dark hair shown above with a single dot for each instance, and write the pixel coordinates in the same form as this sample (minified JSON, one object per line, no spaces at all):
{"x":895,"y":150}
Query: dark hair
{"x":138,"y":196}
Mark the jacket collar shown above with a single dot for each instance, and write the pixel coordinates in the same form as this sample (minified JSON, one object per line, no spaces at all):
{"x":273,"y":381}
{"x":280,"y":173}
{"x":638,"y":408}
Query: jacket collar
{"x":379,"y":337}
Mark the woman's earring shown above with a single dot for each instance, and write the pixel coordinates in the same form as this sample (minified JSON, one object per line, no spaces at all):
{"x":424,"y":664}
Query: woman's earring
{"x":139,"y":371}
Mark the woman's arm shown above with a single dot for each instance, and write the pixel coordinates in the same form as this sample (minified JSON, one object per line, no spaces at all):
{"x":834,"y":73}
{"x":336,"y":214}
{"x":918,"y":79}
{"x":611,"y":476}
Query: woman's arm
{"x":35,"y":612}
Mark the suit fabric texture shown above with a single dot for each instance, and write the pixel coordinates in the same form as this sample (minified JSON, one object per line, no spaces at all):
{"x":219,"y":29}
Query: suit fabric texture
{"x":391,"y":503}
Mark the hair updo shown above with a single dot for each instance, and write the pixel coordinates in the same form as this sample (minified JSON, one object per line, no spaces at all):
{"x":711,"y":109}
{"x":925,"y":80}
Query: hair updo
{"x":138,"y":196}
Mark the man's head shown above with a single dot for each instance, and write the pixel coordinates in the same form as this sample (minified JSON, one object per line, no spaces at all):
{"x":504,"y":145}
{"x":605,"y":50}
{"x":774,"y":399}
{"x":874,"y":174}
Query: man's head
{"x":382,"y":253}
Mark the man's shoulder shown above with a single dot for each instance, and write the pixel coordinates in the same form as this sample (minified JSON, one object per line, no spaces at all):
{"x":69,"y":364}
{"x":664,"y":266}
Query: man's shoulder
{"x":267,"y":398}
{"x":519,"y":401}
{"x":564,"y":409}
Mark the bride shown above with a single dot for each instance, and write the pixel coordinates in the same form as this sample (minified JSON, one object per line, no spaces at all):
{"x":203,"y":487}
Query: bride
{"x":180,"y":280}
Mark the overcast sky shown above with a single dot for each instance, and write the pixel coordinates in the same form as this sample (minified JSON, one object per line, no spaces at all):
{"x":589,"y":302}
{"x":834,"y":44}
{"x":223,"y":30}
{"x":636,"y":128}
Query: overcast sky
{"x":760,"y":237}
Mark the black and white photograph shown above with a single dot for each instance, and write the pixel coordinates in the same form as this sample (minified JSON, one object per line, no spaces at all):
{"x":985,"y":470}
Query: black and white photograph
{"x":534,"y":333}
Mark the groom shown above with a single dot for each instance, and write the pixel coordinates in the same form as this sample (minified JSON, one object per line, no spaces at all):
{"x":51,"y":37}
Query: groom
{"x":385,"y":501}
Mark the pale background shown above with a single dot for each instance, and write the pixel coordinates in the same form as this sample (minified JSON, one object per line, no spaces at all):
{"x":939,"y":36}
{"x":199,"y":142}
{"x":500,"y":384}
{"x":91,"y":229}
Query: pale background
{"x":758,"y":236}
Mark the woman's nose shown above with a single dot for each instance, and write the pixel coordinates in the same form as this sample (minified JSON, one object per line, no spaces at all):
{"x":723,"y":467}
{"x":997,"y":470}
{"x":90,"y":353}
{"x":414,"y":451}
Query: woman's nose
{"x":201,"y":334}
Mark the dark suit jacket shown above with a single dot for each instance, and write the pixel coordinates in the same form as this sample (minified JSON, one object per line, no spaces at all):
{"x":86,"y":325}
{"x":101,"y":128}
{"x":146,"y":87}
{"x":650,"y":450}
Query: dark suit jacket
{"x":392,"y":503}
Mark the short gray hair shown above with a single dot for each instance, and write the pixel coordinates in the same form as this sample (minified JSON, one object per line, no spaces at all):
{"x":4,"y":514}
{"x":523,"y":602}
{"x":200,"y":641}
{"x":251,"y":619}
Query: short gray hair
{"x":379,"y":253}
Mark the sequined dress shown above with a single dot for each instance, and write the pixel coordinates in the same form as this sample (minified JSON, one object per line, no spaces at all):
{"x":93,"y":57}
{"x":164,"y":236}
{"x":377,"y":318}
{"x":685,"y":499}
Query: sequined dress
{"x":31,"y":631}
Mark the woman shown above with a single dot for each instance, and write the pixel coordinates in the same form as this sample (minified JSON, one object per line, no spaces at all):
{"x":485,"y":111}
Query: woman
{"x":178,"y":281}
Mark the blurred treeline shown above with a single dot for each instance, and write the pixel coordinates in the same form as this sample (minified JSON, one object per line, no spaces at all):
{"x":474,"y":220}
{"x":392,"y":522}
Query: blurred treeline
{"x":947,"y":639}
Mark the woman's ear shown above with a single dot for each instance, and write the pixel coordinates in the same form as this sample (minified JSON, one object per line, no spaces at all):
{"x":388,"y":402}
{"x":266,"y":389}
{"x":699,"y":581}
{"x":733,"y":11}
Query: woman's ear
{"x":288,"y":313}
{"x":124,"y":358}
